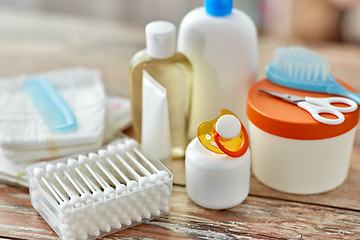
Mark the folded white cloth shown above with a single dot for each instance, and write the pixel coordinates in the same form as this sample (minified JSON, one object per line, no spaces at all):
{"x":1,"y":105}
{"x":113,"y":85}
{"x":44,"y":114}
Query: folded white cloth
{"x":118,"y":116}
{"x":24,"y":137}
{"x":22,"y":129}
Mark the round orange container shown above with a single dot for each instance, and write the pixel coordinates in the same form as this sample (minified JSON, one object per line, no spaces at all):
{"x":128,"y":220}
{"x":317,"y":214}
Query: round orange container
{"x":291,"y":151}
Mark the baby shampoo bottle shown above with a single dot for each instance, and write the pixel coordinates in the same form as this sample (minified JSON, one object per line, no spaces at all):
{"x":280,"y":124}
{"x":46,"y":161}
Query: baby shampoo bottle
{"x":172,"y":70}
{"x":221,"y":44}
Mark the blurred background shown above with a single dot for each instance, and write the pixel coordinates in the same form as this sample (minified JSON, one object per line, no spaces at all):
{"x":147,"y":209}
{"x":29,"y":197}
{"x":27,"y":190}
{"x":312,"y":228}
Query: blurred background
{"x":320,"y":20}
{"x":42,"y":35}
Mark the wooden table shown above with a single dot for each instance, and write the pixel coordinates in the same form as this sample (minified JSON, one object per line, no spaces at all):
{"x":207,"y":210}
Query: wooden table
{"x":34,"y":42}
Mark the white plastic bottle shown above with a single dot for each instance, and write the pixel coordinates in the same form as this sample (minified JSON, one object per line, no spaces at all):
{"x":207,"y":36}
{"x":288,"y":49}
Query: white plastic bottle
{"x":221,"y":44}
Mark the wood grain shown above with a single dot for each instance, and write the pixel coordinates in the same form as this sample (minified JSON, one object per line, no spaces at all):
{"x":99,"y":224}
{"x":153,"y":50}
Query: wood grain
{"x":255,"y":218}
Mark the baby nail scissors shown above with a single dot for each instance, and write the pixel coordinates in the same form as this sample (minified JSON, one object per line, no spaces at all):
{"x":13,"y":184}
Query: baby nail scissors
{"x":315,"y":106}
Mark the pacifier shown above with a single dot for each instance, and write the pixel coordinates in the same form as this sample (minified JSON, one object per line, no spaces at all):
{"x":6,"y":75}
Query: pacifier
{"x":224,"y":135}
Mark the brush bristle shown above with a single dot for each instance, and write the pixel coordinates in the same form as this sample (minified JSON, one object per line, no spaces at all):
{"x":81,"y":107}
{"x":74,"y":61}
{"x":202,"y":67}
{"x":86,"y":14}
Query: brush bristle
{"x":301,"y":64}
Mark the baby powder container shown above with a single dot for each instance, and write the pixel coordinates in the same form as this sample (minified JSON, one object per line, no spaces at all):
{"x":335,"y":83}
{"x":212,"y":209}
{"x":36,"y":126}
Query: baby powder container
{"x":216,"y":180}
{"x":291,"y":151}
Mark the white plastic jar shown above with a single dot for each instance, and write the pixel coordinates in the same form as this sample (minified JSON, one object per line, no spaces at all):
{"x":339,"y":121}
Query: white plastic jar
{"x":216,"y":181}
{"x":292,"y":152}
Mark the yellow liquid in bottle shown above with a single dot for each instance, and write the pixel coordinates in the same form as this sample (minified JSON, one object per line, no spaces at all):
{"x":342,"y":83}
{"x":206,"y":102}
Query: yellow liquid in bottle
{"x":175,"y":75}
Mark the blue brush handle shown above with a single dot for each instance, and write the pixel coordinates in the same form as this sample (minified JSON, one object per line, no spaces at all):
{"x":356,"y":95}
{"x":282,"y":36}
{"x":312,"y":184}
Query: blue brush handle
{"x":338,"y":89}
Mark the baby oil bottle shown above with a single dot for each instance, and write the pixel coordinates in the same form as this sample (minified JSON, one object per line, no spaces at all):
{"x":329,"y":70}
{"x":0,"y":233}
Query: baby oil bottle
{"x":170,"y":69}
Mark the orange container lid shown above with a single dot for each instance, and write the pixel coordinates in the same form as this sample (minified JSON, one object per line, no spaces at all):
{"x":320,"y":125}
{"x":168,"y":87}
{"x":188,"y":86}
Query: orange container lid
{"x":287,"y":120}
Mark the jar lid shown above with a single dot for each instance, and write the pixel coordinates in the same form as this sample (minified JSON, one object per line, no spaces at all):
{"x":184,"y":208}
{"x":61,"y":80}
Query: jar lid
{"x":201,"y":158}
{"x":287,"y":120}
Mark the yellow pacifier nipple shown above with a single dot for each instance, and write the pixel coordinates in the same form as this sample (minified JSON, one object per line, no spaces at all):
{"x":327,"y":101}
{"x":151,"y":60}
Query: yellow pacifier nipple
{"x":225,"y":135}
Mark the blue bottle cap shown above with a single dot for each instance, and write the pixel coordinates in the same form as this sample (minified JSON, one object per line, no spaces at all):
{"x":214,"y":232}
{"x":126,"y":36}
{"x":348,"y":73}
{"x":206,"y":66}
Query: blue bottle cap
{"x":218,"y":8}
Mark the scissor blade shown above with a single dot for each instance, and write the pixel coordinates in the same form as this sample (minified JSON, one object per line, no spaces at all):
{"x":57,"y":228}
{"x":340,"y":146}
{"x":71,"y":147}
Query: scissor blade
{"x":283,"y":96}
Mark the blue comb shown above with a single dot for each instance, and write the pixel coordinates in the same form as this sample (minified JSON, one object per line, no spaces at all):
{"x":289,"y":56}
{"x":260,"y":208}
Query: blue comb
{"x":52,"y":107}
{"x":301,"y":68}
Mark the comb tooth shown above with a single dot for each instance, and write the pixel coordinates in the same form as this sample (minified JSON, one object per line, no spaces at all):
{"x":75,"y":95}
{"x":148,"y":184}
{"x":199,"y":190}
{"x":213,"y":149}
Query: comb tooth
{"x":316,"y":72}
{"x":327,"y":71}
{"x":309,"y":69}
{"x":323,"y":73}
{"x":297,"y":67}
{"x":313,"y":64}
{"x":284,"y":65}
{"x":302,"y":71}
{"x":290,"y":68}
{"x":292,"y":52}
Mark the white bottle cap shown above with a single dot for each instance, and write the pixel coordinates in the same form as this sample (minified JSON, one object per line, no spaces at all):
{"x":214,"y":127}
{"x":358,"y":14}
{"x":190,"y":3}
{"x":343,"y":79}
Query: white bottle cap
{"x":160,"y":39}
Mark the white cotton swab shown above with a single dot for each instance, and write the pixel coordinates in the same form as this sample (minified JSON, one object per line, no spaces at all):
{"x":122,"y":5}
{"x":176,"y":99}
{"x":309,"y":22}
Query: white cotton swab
{"x":97,"y":195}
{"x":85,"y":195}
{"x":131,"y":185}
{"x":143,"y":181}
{"x":152,"y":177}
{"x":119,"y":188}
{"x":152,"y":206}
{"x":75,"y":200}
{"x":131,"y":144}
{"x":86,"y":198}
{"x":40,"y":176}
{"x":109,"y":192}
{"x":163,"y":190}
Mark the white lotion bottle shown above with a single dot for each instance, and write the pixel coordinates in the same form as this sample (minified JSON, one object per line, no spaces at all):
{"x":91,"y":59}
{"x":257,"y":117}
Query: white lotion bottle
{"x":221,"y":44}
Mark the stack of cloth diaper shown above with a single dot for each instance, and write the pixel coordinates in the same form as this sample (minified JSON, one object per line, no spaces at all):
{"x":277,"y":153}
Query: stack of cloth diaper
{"x":26,"y":139}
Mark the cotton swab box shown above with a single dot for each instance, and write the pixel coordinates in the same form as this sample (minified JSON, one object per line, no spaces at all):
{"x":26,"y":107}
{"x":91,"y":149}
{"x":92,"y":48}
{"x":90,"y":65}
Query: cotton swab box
{"x":91,"y":195}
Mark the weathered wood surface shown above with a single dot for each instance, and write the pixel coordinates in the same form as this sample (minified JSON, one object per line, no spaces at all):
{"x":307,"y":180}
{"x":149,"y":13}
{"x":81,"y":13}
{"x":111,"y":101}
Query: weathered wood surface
{"x":255,"y":218}
{"x":34,"y":42}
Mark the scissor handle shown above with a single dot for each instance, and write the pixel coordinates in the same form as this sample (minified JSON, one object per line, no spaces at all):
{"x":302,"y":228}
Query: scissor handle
{"x":315,"y":111}
{"x":326,"y":102}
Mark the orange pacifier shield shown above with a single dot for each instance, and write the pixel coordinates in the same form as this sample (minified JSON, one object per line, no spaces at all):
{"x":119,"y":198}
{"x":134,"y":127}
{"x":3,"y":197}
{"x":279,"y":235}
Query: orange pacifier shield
{"x":225,"y":135}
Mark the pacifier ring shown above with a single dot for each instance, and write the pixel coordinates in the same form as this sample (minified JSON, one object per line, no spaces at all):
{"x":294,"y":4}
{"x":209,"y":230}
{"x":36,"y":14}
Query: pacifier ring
{"x":224,"y":135}
{"x":238,"y":153}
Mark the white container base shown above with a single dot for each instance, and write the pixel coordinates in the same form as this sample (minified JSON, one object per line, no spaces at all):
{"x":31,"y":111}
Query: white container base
{"x":216,"y":181}
{"x":300,"y":166}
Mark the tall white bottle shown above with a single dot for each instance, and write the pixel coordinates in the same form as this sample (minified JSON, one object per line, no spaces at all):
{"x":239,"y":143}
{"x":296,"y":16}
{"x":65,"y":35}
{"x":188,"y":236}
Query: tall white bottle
{"x":221,"y":44}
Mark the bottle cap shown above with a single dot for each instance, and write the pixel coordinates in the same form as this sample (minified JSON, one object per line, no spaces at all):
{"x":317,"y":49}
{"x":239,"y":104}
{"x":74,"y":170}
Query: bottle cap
{"x":160,"y":39}
{"x":218,"y":8}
